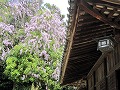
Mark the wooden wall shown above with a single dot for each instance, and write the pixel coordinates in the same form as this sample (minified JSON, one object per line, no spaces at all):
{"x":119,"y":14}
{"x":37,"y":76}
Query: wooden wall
{"x":103,"y":76}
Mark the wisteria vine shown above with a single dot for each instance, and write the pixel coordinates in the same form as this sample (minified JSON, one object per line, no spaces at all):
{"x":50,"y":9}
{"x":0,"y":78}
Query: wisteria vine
{"x":40,"y":30}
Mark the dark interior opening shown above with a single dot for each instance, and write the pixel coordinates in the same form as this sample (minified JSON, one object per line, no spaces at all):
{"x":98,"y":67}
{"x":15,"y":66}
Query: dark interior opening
{"x":118,"y":79}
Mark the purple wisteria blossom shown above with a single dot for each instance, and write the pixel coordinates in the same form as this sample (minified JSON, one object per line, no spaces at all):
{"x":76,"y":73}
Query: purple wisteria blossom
{"x":44,"y":54}
{"x":6,"y":28}
{"x":7,"y":42}
{"x":6,"y":31}
{"x":50,"y":26}
{"x":56,"y":73}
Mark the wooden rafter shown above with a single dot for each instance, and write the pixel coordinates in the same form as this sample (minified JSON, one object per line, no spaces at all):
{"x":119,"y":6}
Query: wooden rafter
{"x":70,"y":45}
{"x":86,"y":7}
{"x":113,"y":1}
{"x":106,"y":2}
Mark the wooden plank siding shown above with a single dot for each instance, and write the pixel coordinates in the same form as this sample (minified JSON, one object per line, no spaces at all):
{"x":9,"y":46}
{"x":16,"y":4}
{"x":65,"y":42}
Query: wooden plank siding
{"x":112,"y":82}
{"x":103,"y":75}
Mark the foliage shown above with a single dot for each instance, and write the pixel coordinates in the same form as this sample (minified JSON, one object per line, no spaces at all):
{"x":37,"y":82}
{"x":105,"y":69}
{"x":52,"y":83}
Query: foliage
{"x":33,"y":87}
{"x":70,"y":88}
{"x":21,"y":65}
{"x":5,"y":83}
{"x":32,"y":42}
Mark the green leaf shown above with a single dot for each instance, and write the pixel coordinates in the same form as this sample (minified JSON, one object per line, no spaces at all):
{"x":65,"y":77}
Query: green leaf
{"x":3,"y":1}
{"x":1,"y":19}
{"x":31,"y":79}
{"x":27,"y":70}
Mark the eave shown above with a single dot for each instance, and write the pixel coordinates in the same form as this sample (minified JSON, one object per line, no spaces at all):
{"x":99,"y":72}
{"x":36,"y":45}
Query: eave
{"x":88,"y":20}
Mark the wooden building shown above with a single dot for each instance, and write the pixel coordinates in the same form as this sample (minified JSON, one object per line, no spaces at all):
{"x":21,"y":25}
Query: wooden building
{"x":92,"y":54}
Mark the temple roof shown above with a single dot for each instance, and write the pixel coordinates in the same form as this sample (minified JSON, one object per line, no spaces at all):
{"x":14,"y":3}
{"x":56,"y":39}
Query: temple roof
{"x":88,"y":20}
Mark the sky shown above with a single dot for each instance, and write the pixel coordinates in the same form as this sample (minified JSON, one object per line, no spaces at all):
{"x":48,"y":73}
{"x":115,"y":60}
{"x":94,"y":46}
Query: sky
{"x":61,"y":4}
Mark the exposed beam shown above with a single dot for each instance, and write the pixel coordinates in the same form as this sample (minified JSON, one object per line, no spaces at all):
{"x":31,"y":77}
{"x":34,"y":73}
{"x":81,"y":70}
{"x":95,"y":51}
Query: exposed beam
{"x":90,"y":25}
{"x":84,"y":53}
{"x":91,"y":37}
{"x":112,"y":12}
{"x":87,"y":21}
{"x":65,"y":61}
{"x":83,"y":46}
{"x":83,"y":59}
{"x":93,"y":31}
{"x":86,"y":7}
{"x":106,"y":2}
{"x":113,"y":1}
